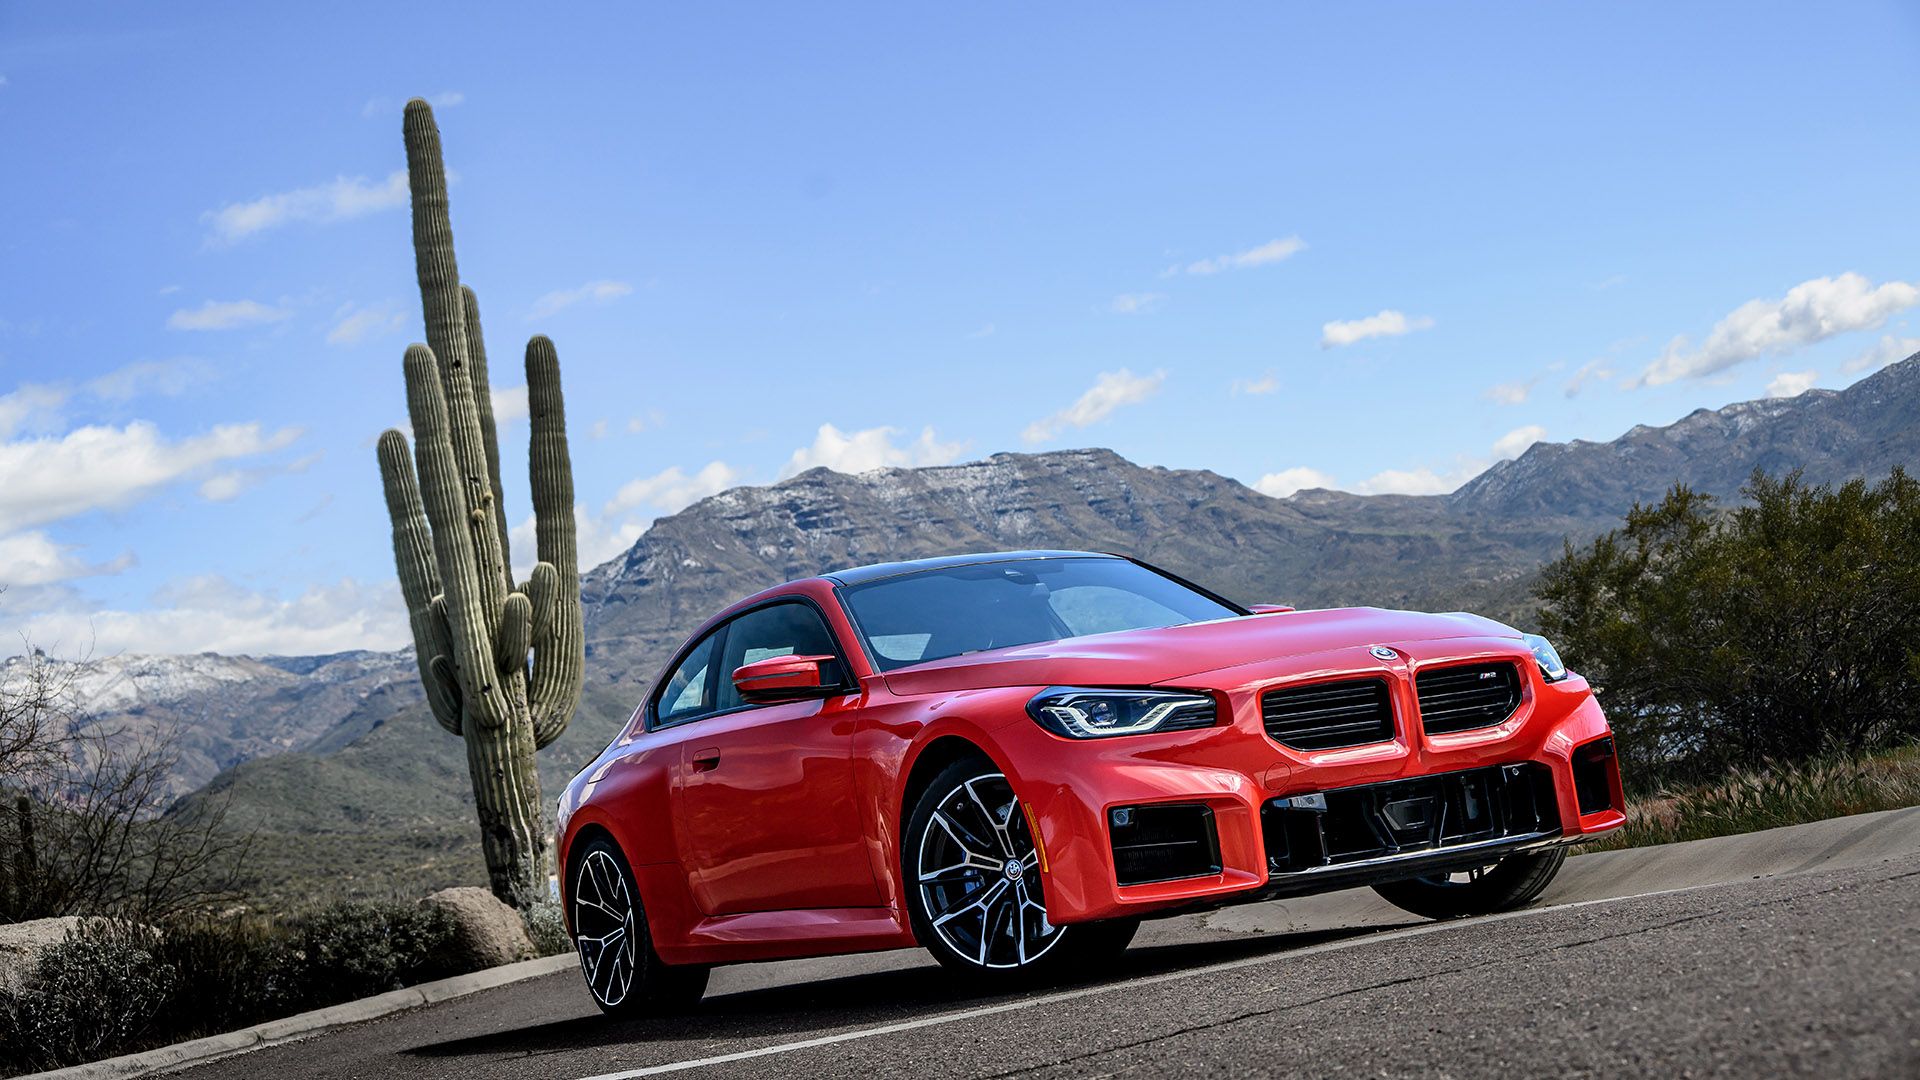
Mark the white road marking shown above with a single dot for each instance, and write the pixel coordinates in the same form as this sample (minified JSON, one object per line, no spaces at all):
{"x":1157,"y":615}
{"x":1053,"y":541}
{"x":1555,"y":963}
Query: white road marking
{"x":1105,"y":988}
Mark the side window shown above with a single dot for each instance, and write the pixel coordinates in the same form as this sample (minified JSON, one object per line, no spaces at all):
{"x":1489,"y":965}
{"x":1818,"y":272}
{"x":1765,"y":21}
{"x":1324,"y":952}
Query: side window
{"x":781,"y":630}
{"x":689,"y":690}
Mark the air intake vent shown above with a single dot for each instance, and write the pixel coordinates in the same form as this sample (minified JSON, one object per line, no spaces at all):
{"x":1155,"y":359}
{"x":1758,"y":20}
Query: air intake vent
{"x":1463,"y":698}
{"x":1325,"y":716}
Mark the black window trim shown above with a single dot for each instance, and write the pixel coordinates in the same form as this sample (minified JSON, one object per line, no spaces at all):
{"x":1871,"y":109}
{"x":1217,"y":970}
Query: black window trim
{"x":719,"y":637}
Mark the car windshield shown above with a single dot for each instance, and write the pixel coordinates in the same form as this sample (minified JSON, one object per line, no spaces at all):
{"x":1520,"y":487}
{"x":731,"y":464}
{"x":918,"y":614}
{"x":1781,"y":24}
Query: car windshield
{"x":935,"y":614}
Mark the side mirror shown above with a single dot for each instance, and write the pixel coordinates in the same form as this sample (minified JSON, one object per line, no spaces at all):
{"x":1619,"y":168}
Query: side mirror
{"x":1268,"y":609}
{"x":782,"y":678}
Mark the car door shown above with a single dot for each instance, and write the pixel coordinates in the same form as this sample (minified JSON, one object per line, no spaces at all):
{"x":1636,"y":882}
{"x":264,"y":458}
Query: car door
{"x":764,"y":794}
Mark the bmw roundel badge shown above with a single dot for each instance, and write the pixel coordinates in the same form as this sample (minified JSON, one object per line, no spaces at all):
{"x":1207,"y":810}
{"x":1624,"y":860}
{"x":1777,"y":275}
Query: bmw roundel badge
{"x":1381,"y":652}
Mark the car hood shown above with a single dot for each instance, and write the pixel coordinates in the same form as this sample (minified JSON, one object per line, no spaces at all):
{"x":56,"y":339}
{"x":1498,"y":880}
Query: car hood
{"x":1148,"y":657}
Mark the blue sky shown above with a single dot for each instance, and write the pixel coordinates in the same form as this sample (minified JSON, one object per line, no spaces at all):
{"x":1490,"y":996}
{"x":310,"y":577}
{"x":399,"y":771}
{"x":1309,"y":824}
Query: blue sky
{"x":1369,"y":247}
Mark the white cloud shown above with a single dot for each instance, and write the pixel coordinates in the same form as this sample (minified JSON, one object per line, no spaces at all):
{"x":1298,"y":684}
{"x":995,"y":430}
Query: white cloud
{"x":1265,"y":384}
{"x":620,"y":522}
{"x":1510,"y":393}
{"x":863,"y":451}
{"x":1272,"y":251}
{"x":225,"y":315}
{"x":672,"y":489}
{"x":598,"y":431}
{"x":1388,"y":323}
{"x":509,"y":405}
{"x":598,"y":292}
{"x":354,"y":325}
{"x":1888,"y":350}
{"x":1287,"y":481}
{"x":99,"y":467}
{"x":1135,"y":303}
{"x":166,"y":377}
{"x":1409,"y":482}
{"x":1791,"y":383}
{"x":212,"y":614}
{"x":339,"y":200}
{"x":32,"y":403}
{"x":34,"y":558}
{"x":1110,"y":391}
{"x":984,"y":331}
{"x":1811,"y":311}
{"x":1588,"y":372}
{"x":1515,"y":442}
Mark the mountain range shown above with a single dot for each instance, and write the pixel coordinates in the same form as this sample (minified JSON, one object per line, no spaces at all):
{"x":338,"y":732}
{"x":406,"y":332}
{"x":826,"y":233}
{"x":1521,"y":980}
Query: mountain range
{"x":335,"y":759}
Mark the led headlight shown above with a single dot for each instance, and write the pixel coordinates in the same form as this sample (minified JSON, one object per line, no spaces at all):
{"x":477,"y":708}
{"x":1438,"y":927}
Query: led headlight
{"x":1544,"y":654}
{"x":1083,"y":713}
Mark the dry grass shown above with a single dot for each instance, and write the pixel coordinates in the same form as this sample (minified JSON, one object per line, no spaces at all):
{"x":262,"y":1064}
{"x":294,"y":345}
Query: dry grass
{"x":1772,"y":797}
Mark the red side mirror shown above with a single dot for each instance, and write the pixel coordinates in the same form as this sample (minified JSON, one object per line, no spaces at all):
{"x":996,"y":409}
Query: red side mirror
{"x":781,"y":678}
{"x":1268,"y":609}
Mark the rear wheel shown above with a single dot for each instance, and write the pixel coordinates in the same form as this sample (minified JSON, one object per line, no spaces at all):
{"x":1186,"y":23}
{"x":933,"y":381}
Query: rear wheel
{"x":1513,"y":882}
{"x":972,"y":873}
{"x":624,"y":975}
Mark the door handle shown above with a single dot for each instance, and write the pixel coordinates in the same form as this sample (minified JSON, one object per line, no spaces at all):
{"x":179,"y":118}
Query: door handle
{"x":706,"y":759}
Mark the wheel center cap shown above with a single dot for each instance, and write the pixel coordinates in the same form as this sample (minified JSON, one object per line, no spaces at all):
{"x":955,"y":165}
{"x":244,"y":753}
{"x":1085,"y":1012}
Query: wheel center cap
{"x":1014,"y":869}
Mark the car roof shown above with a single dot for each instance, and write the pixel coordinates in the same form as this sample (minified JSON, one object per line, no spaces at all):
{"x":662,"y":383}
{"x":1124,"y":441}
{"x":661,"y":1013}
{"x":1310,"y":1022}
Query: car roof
{"x":861,"y":574}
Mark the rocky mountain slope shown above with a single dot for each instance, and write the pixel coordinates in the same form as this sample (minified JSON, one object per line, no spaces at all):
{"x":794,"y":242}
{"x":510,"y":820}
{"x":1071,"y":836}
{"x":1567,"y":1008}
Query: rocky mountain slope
{"x":369,"y":760}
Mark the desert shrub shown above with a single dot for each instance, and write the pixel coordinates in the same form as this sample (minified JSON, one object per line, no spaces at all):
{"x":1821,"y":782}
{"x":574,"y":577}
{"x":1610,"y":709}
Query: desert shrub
{"x":231,"y":971}
{"x":1775,"y":632}
{"x":101,"y":989}
{"x":356,"y":949}
{"x":548,"y":929}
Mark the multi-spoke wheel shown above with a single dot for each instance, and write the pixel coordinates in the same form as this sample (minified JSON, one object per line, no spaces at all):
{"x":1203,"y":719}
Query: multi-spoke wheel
{"x":1512,"y":882}
{"x":973,"y":879}
{"x":624,"y":974}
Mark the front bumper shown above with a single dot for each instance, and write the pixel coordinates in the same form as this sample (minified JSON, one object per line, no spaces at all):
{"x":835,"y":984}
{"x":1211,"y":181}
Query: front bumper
{"x":1415,"y":805}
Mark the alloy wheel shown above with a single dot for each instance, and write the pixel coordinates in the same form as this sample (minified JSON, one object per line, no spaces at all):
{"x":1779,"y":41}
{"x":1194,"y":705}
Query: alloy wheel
{"x":978,"y":875}
{"x":604,"y":928}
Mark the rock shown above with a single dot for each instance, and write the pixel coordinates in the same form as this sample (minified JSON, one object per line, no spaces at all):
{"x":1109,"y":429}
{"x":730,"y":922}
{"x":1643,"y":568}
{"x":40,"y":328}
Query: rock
{"x":22,"y":943}
{"x":487,"y":933}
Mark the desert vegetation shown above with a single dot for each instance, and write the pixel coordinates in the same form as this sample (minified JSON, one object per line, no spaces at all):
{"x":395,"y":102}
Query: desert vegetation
{"x":1757,"y":662}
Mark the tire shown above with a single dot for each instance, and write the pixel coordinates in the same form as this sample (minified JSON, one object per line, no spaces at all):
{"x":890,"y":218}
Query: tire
{"x":624,"y":975}
{"x":970,"y":871}
{"x":1513,"y":882}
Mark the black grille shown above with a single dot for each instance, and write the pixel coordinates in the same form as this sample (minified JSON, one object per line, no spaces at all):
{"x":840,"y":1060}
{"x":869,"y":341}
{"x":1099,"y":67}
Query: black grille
{"x":1471,"y":696}
{"x":1426,"y":814}
{"x":1324,"y":716}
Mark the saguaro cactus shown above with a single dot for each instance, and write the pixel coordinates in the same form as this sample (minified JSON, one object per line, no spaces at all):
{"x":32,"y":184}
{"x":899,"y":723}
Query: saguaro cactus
{"x":473,"y":627}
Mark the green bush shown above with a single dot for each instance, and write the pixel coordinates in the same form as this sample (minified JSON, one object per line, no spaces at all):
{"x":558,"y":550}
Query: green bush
{"x":355,"y":950}
{"x":548,"y":929}
{"x":116,"y":988}
{"x":101,"y":989}
{"x":1776,"y":632}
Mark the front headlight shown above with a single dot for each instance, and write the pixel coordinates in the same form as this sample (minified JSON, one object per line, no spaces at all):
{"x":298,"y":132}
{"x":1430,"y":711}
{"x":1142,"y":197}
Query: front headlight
{"x":1084,"y":713}
{"x":1544,"y":654}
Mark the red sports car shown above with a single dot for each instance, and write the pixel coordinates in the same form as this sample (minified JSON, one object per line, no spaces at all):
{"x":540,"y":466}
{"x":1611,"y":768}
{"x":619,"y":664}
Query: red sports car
{"x":1012,"y":759}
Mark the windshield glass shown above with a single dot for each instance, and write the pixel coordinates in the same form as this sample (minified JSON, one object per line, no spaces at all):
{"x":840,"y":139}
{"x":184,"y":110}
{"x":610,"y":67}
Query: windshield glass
{"x":934,"y":614}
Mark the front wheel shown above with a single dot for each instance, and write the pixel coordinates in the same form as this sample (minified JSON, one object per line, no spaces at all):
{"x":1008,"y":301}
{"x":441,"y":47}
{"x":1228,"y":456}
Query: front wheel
{"x":1513,"y":882}
{"x":624,"y":975}
{"x":973,"y":884}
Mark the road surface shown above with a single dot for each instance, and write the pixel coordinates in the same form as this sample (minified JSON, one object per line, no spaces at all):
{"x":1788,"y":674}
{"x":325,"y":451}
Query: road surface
{"x":1791,"y":953}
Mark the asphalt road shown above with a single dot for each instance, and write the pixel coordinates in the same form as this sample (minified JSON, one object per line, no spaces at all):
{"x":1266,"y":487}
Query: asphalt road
{"x":1814,"y":972}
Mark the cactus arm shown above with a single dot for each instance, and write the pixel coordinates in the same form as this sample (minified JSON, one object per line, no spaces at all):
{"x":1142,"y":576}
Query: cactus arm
{"x":469,"y":624}
{"x":516,"y":633}
{"x":419,"y":579}
{"x":560,"y":641}
{"x":440,"y":644}
{"x":444,"y":306}
{"x":483,"y":403}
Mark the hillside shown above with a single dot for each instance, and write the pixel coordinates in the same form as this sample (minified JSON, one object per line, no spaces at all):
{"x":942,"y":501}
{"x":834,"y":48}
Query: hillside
{"x":372,"y":763}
